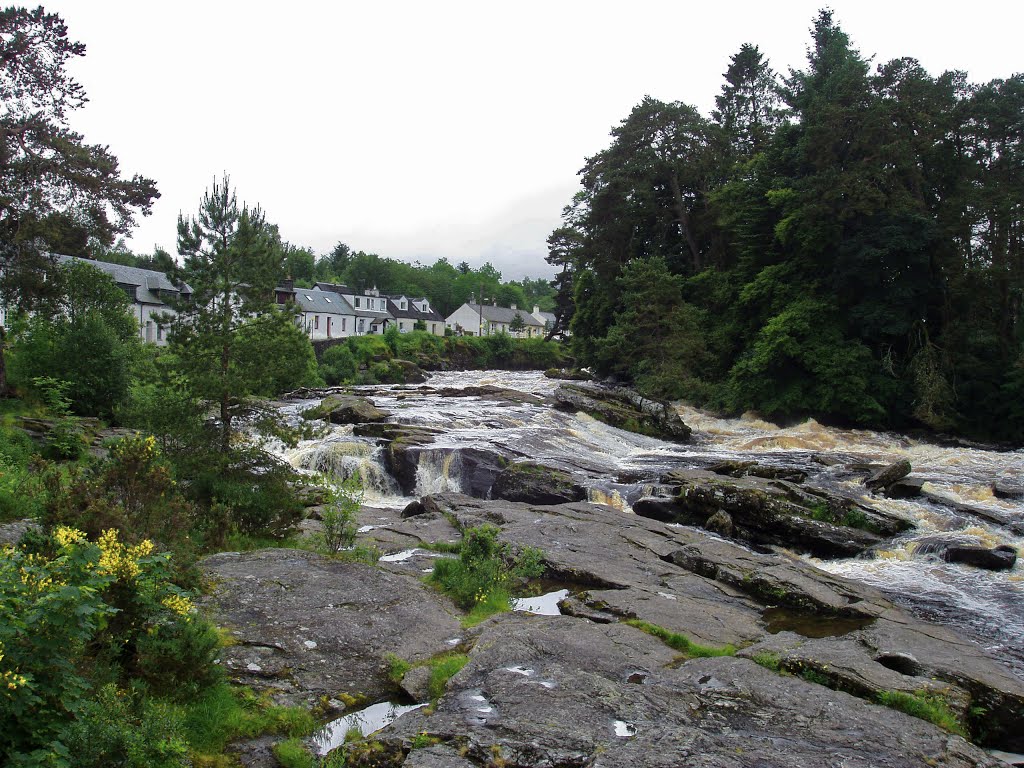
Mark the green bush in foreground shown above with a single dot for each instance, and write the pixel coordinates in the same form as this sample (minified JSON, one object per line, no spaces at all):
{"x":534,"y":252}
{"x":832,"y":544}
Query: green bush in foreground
{"x":478,"y":580}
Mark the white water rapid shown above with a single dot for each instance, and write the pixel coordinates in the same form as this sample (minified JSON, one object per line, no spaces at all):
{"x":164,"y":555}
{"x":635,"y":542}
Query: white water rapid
{"x":615,"y":466}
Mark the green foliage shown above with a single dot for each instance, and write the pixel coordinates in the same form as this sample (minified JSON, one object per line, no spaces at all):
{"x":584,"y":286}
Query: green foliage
{"x":442,"y":669}
{"x":478,"y":579}
{"x":85,"y":352}
{"x":68,"y":605}
{"x":397,"y":667}
{"x":65,"y":438}
{"x":19,"y":494}
{"x":338,"y":365}
{"x":275,"y":355}
{"x":768,"y":660}
{"x":845,"y":258}
{"x":680,"y":642}
{"x":223,"y":714}
{"x":369,"y":349}
{"x":338,"y":516}
{"x":924,"y":706}
{"x":119,"y":727}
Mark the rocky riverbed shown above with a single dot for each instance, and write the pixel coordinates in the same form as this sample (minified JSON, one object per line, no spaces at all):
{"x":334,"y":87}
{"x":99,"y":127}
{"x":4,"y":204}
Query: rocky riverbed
{"x":781,"y":663}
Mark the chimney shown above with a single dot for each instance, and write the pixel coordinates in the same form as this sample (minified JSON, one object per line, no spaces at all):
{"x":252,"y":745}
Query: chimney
{"x":536,"y":309}
{"x":472,"y":298}
{"x":494,"y":302}
{"x":289,"y":284}
{"x":514,"y":307}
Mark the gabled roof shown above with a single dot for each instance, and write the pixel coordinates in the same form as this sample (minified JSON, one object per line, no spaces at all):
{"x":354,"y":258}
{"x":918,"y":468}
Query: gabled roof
{"x":332,"y":287}
{"x":493,"y":314}
{"x":326,"y":302}
{"x":148,"y":282}
{"x":411,"y":312}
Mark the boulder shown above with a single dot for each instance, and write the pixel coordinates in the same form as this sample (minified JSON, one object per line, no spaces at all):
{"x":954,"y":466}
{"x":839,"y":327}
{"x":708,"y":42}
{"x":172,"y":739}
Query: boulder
{"x":886,"y":476}
{"x":623,"y":408}
{"x":737,"y":468}
{"x":772,"y":512}
{"x":905,"y":488}
{"x":346,"y":409}
{"x":1006,"y":489}
{"x":536,"y":484}
{"x":411,"y":373}
{"x":1001,"y":558}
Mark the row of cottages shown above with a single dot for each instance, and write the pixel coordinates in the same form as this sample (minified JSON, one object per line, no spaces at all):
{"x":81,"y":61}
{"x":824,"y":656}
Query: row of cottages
{"x":330,"y":311}
{"x":472,"y":319}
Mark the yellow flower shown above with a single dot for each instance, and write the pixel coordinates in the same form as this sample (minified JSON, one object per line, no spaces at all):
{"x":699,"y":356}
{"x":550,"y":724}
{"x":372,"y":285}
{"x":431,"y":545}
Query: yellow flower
{"x":178,"y":604}
{"x":65,"y":536}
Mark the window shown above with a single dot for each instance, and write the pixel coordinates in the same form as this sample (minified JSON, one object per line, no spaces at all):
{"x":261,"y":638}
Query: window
{"x":316,"y":321}
{"x":362,"y":323}
{"x":327,"y":299}
{"x":357,"y":302}
{"x":403,"y":304}
{"x":308,"y":297}
{"x":343,"y":324}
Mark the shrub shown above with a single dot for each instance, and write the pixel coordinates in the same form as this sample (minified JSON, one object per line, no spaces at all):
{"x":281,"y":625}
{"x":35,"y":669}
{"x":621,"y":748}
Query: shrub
{"x":480,"y":576}
{"x":339,"y":516}
{"x":338,"y":365}
{"x":68,"y":605}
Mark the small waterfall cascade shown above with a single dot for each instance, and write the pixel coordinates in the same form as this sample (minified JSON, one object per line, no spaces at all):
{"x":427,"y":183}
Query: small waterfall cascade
{"x":438,"y":471}
{"x":339,"y":457}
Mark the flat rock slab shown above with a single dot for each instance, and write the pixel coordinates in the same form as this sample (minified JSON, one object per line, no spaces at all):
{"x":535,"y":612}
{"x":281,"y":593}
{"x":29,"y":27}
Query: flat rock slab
{"x":561,"y":691}
{"x":307,"y":627}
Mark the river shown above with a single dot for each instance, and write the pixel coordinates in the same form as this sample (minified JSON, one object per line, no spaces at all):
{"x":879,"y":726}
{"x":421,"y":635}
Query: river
{"x":616,"y":466}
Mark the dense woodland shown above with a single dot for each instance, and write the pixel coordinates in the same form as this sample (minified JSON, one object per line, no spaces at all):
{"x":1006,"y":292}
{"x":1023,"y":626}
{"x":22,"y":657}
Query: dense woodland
{"x":844,"y":242}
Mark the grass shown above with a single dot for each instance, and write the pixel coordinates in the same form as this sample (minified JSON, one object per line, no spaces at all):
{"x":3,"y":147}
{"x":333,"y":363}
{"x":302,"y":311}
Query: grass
{"x":680,"y":642}
{"x":443,"y":667}
{"x":222,"y":714}
{"x":925,"y":707}
{"x":768,"y":660}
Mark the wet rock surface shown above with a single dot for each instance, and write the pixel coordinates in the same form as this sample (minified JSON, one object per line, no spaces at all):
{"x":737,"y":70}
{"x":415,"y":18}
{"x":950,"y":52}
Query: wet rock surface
{"x":770,"y":512}
{"x":588,"y":689}
{"x":347,"y":409}
{"x":305,"y":627}
{"x":624,"y":409}
{"x":536,"y":484}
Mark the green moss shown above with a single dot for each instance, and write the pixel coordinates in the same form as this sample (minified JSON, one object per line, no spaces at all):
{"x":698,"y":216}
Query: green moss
{"x":442,"y":669}
{"x":292,"y":753}
{"x":926,"y":707}
{"x":768,"y":660}
{"x":680,"y":642}
{"x":397,"y":667}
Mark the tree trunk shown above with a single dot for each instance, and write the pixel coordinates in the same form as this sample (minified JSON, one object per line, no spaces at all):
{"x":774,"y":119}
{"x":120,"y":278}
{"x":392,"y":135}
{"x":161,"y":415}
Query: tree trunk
{"x":3,"y":363}
{"x":684,"y":222}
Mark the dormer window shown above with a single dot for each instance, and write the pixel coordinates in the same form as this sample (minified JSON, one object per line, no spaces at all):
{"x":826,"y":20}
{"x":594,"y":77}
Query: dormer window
{"x":357,"y":302}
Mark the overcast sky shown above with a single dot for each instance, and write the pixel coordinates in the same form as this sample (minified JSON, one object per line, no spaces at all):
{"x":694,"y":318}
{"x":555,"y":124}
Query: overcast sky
{"x":425,"y":129}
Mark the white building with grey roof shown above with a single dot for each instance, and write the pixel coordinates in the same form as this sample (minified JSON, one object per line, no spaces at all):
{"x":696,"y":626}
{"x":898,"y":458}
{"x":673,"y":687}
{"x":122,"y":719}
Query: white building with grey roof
{"x":473,"y":319}
{"x":149,"y":291}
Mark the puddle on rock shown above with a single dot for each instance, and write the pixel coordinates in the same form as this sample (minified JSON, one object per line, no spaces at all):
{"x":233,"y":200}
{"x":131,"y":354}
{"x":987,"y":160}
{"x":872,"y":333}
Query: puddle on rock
{"x":399,"y":557}
{"x":542,"y":605}
{"x":810,"y":624}
{"x":624,"y":729}
{"x":366,"y":721}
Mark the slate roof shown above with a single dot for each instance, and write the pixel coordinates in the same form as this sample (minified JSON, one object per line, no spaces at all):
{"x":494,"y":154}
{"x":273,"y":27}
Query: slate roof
{"x":327,"y":302}
{"x":411,"y":312}
{"x":147,"y":281}
{"x":493,"y":314}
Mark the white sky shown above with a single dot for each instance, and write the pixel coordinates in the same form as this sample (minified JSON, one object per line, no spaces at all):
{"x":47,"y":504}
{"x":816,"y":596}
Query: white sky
{"x":425,"y":129}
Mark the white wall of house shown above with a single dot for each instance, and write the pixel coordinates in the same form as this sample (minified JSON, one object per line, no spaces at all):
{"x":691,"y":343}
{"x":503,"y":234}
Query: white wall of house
{"x":328,"y":325}
{"x":466,"y":318}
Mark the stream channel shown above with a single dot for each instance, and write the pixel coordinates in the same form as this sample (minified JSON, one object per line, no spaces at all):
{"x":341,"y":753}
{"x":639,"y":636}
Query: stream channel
{"x":615,"y":466}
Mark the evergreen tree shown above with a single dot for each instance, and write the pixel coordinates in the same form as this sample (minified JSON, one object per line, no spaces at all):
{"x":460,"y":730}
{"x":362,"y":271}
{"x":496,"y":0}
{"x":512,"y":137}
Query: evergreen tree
{"x":231,"y":265}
